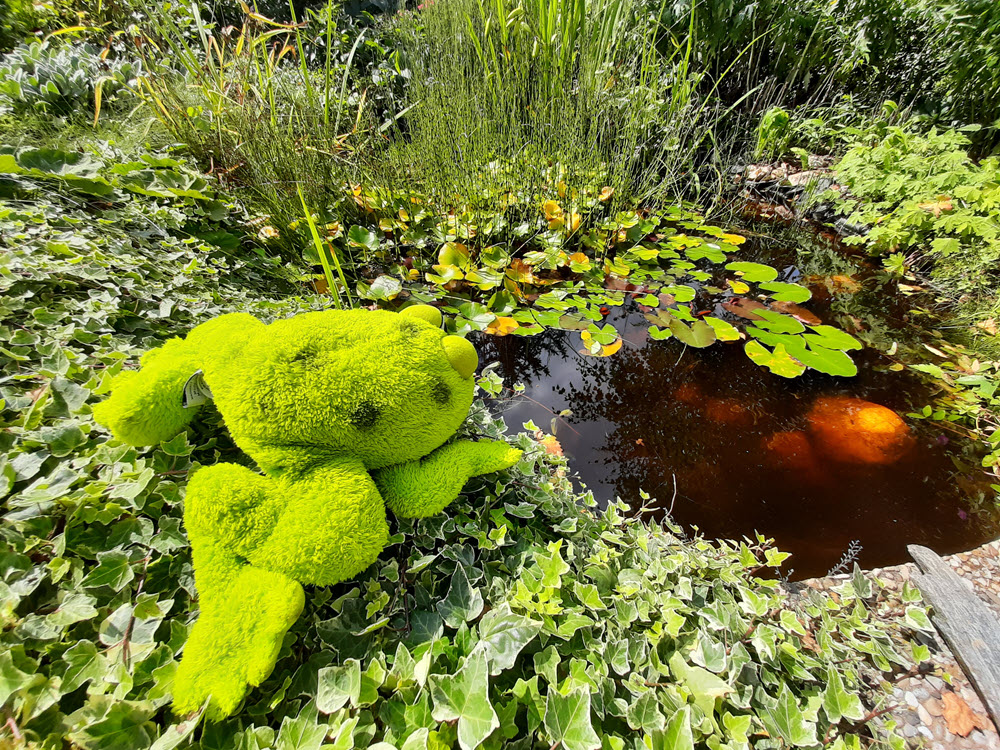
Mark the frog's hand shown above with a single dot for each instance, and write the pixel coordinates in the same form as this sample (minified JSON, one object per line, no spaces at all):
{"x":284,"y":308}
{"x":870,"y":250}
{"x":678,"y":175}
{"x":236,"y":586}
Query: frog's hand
{"x":235,"y":642}
{"x":425,"y":487}
{"x":147,"y":406}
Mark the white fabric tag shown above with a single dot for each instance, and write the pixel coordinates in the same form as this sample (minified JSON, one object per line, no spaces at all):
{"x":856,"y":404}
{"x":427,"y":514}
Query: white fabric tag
{"x":196,"y":391}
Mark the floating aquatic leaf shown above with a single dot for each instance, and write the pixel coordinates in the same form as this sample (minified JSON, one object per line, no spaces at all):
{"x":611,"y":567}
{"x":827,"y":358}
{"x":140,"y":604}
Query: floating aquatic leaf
{"x":680,"y":292}
{"x":359,"y":236}
{"x":708,"y":251}
{"x":501,"y":326}
{"x":775,"y":322}
{"x":385,"y":288}
{"x":494,"y":256}
{"x":755,"y":272}
{"x":831,"y":338}
{"x":593,"y":349}
{"x":785,"y":292}
{"x":724,"y":331}
{"x":698,"y":335}
{"x":799,"y":313}
{"x":779,"y":362}
{"x":453,"y":254}
{"x":830,"y":361}
{"x":738,"y":287}
{"x":744,"y":308}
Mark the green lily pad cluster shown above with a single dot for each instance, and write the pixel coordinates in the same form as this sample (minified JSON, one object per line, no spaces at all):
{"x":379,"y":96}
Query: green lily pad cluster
{"x":677,"y":268}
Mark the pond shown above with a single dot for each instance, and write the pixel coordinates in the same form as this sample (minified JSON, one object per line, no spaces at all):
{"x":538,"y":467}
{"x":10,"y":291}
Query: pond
{"x":739,"y":443}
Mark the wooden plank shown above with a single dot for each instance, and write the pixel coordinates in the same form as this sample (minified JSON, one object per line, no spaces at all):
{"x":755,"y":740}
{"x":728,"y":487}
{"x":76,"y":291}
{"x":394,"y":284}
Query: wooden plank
{"x":966,"y":623}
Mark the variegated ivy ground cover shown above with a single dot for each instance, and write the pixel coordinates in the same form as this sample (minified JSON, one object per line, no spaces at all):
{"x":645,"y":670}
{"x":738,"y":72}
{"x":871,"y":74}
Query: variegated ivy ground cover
{"x":522,"y":616}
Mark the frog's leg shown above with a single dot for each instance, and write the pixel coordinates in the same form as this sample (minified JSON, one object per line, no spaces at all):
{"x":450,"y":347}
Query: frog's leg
{"x":424,"y":487}
{"x":245,"y":610}
{"x":332,"y":524}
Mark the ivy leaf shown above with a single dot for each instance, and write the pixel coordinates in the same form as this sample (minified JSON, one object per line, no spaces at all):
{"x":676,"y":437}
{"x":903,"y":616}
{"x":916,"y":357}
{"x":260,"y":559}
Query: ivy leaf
{"x":301,"y":733}
{"x":837,"y":702}
{"x":338,"y":686}
{"x":125,"y":726}
{"x":552,"y":565}
{"x":677,"y":735}
{"x":12,"y":679}
{"x":464,"y":697}
{"x":505,"y":634}
{"x":567,"y":720}
{"x":84,"y":663}
{"x":113,"y":570}
{"x":463,"y":602}
{"x":645,"y":713}
{"x":784,"y":718}
{"x":916,"y":617}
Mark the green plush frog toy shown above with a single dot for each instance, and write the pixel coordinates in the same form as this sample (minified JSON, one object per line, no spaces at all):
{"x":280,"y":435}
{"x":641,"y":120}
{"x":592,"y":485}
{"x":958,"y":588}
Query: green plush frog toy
{"x":346,"y":413}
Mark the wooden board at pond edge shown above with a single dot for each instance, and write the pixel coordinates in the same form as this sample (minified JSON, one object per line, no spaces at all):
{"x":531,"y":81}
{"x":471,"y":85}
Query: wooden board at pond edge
{"x":966,"y":623}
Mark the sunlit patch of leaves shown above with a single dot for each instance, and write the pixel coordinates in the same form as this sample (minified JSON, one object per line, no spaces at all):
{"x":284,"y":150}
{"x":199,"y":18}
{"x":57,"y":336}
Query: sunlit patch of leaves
{"x":522,"y":614}
{"x":680,"y":271}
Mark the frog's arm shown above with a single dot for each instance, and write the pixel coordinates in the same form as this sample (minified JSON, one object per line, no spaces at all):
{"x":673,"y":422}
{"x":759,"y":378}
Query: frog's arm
{"x":146,"y":406}
{"x":424,"y":487}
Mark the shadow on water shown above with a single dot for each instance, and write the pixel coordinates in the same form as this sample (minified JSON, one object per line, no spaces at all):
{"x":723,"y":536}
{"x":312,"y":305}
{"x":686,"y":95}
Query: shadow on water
{"x":655,"y":412}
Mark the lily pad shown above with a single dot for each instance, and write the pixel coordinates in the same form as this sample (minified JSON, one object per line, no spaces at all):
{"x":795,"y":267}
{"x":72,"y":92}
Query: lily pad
{"x":755,"y":272}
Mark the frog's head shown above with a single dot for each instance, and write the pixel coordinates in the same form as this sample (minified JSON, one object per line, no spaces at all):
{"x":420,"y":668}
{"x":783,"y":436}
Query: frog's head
{"x":379,"y":386}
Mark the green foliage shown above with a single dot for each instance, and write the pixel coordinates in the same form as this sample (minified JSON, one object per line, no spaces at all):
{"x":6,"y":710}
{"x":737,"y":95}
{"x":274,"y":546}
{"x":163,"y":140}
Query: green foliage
{"x":62,"y":79}
{"x":773,"y":134}
{"x":923,"y":196}
{"x":937,"y":56}
{"x":523,"y":612}
{"x":22,"y":20}
{"x":511,"y":97}
{"x":673,"y":264}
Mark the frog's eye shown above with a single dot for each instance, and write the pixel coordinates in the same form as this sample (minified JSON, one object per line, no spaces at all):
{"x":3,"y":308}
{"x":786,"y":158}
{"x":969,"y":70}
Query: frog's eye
{"x":365,"y":415}
{"x":440,"y":392}
{"x":303,"y":356}
{"x":412,"y":329}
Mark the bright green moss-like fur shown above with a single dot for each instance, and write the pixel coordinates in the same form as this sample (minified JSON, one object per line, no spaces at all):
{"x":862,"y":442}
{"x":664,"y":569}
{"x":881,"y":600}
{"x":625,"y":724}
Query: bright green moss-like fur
{"x":345,"y":412}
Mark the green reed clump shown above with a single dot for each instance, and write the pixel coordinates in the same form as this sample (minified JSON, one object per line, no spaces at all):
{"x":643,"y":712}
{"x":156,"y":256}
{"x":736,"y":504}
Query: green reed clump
{"x":509,"y":99}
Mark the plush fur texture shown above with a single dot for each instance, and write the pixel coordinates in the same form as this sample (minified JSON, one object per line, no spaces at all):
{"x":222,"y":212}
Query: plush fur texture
{"x":345,"y":413}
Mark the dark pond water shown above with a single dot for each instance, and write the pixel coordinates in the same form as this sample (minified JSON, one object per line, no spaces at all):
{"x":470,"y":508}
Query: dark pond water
{"x":654,"y":412}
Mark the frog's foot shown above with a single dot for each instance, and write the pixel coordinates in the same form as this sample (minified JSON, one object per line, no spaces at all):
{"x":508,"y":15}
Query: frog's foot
{"x":489,"y":456}
{"x":235,"y":642}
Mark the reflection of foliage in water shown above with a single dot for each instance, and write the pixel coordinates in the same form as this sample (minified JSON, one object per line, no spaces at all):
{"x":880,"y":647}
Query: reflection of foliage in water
{"x":523,"y":359}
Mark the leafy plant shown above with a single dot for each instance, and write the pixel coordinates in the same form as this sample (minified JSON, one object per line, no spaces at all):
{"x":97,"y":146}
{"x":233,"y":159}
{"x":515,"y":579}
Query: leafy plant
{"x":773,"y":133}
{"x":922,"y":196}
{"x":61,"y":80}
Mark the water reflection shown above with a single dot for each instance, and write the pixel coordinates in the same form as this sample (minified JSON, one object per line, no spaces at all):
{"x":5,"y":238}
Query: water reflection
{"x":655,"y":414}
